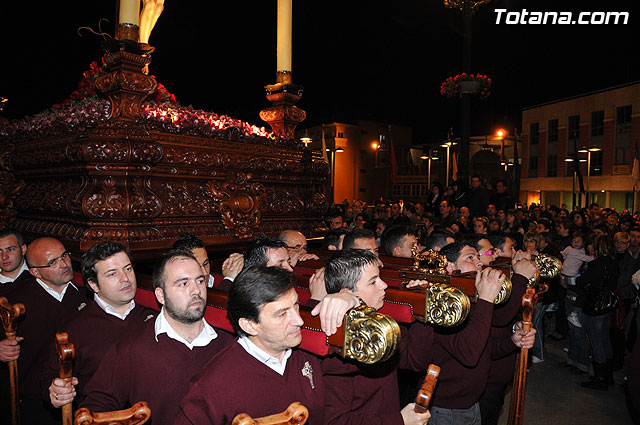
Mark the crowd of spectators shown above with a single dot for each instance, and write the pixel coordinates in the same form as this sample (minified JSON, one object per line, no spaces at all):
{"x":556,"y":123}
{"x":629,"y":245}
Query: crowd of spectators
{"x":599,"y":247}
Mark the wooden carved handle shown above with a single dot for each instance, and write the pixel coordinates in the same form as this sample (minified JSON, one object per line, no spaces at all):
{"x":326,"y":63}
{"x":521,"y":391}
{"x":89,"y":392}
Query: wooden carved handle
{"x":10,"y":315}
{"x":296,"y":414}
{"x":423,"y":399}
{"x":137,"y":414}
{"x":66,"y":354}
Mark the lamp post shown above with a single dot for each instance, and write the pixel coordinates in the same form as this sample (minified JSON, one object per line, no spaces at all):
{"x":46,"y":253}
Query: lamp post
{"x":571,"y":159}
{"x":375,"y":146}
{"x":447,"y":145}
{"x":429,"y":155}
{"x":468,"y":8}
{"x":588,"y":151}
{"x":306,"y":141}
{"x":333,"y":151}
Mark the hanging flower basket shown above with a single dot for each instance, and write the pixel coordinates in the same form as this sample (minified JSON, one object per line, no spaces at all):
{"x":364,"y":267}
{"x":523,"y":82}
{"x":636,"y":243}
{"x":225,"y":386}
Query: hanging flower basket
{"x":466,"y":84}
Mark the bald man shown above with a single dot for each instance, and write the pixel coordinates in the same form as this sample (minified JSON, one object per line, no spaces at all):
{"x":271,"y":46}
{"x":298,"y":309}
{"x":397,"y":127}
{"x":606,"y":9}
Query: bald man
{"x":296,"y":244}
{"x":49,"y":299}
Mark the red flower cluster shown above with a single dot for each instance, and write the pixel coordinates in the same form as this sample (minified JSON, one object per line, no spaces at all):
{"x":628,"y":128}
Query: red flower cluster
{"x":86,"y":87}
{"x":451,"y":87}
{"x":162,"y":95}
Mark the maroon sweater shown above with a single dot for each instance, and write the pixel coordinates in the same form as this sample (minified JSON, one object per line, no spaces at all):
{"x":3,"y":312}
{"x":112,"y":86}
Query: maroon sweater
{"x":43,"y":317}
{"x":370,"y":396}
{"x":92,"y":332}
{"x":5,"y":288}
{"x":503,"y":314}
{"x":140,"y":369}
{"x":503,"y":364}
{"x":463,"y":359}
{"x":503,"y":361}
{"x":235,"y":382}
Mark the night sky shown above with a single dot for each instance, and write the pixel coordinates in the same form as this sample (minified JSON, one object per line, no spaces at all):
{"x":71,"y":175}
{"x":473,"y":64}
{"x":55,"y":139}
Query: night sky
{"x":378,"y":60}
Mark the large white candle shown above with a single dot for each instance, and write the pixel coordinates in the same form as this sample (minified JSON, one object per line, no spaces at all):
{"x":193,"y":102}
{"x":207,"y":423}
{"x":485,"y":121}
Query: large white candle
{"x":284,"y":36}
{"x":129,"y":12}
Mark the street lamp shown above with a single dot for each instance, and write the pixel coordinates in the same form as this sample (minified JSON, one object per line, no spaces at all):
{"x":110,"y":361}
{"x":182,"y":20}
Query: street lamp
{"x":306,"y":141}
{"x":588,"y":151}
{"x":333,"y":169}
{"x":448,"y":146}
{"x":429,"y":155}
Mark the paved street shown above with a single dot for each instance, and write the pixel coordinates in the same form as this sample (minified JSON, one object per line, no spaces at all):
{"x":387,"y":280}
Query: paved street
{"x":554,"y":395}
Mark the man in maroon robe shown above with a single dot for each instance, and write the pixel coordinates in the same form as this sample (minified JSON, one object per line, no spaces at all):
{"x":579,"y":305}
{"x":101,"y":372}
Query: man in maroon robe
{"x":12,"y":262}
{"x":156,"y":363}
{"x":108,"y":271}
{"x":465,"y":363}
{"x":50,"y":299}
{"x":262,"y":373}
{"x":369,"y":393}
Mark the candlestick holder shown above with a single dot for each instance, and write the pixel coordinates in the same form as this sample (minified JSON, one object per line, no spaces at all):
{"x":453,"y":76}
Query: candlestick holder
{"x":283,"y":116}
{"x":127,"y":32}
{"x":126,"y":85}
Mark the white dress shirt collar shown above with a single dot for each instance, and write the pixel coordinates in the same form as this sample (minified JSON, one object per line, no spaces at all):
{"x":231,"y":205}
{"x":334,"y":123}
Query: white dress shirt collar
{"x":264,"y":357}
{"x":55,"y":294}
{"x":110,"y":310}
{"x":7,"y":279}
{"x":207,"y":335}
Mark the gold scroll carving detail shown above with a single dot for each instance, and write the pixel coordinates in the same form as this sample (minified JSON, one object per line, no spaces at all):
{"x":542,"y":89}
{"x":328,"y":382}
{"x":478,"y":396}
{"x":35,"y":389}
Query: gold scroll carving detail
{"x":445,"y":305}
{"x":369,"y":336}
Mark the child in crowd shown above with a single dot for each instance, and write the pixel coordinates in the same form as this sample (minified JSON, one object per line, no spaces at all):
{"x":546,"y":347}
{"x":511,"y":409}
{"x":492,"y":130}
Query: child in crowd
{"x":574,"y":258}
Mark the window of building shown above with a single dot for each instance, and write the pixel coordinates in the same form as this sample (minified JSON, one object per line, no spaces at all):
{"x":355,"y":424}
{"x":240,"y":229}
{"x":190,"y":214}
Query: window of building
{"x":597,"y":123}
{"x":533,"y":166}
{"x":553,"y":131}
{"x":574,"y":127}
{"x":596,"y":163}
{"x":340,"y":135}
{"x":534,"y":133}
{"x":623,"y":135}
{"x":552,"y":165}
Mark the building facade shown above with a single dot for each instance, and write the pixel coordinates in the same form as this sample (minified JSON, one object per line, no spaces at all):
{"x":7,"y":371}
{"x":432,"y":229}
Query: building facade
{"x":597,"y":132}
{"x":363,"y":160}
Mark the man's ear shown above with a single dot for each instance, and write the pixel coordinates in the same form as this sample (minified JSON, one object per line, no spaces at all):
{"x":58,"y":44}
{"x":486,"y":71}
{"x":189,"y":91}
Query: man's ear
{"x":23,"y":248}
{"x":248,"y":326}
{"x":451,"y":268}
{"x":94,"y":286}
{"x":159,"y":295}
{"x":396,"y":251}
{"x":35,"y":273}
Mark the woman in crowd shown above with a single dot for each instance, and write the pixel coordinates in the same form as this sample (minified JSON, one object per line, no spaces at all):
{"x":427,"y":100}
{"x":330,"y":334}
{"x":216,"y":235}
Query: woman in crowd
{"x":602,"y":273}
{"x":434,"y":198}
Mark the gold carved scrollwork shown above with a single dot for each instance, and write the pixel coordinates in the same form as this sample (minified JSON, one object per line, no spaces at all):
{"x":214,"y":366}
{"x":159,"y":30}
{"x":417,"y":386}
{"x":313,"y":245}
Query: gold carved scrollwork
{"x":550,"y":267}
{"x":505,"y":291}
{"x":240,"y":203}
{"x":369,"y":336}
{"x":445,"y":305}
{"x":429,"y":262}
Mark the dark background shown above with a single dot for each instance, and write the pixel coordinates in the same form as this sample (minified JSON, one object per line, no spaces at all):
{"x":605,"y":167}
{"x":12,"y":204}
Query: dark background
{"x":378,"y":60}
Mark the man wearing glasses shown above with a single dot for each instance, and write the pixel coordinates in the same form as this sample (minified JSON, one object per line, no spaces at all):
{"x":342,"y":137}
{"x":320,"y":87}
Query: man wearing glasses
{"x":296,"y":244}
{"x":49,"y":299}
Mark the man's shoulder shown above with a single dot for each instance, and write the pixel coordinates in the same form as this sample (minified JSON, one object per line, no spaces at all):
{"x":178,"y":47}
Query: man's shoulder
{"x":26,"y":288}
